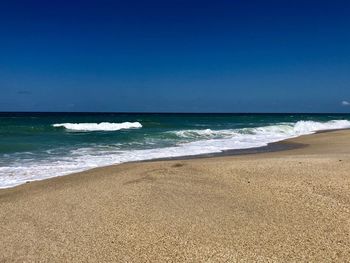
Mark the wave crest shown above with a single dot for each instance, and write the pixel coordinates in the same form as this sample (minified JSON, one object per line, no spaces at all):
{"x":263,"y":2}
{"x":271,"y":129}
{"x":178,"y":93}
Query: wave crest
{"x":305,"y":127}
{"x":103,"y":126}
{"x":285,"y":130}
{"x":207,"y":133}
{"x":193,"y":142}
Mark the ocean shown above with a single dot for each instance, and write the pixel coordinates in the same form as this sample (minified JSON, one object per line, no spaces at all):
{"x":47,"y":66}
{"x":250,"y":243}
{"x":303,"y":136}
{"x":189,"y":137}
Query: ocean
{"x":35,"y":146}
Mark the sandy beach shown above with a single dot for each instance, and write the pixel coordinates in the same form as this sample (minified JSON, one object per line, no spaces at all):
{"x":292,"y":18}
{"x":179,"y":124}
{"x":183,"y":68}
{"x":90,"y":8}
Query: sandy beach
{"x":286,"y":206}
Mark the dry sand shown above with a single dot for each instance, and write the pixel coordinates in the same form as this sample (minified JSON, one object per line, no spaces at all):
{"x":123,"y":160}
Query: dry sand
{"x":273,"y":207}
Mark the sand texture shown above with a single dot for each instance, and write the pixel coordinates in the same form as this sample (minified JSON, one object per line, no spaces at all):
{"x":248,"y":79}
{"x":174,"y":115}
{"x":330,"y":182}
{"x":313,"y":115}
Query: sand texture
{"x":288,"y":206}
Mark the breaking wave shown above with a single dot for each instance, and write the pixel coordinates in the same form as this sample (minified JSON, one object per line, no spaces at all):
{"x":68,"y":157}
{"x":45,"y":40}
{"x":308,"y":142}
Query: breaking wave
{"x":103,"y":126}
{"x":284,"y":130}
{"x":188,"y":142}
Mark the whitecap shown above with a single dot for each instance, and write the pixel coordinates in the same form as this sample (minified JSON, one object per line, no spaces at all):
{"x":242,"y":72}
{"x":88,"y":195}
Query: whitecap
{"x":200,"y":142}
{"x":103,"y":126}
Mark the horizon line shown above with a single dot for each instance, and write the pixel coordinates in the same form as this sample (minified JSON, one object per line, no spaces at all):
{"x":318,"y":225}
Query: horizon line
{"x":161,"y":112}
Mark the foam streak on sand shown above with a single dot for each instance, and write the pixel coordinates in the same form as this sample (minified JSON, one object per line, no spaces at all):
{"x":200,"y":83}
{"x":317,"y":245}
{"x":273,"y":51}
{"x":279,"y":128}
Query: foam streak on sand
{"x":103,"y":126}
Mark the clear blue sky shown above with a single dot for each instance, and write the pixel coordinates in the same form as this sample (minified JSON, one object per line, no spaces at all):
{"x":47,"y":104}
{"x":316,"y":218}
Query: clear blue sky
{"x":175,"y":56}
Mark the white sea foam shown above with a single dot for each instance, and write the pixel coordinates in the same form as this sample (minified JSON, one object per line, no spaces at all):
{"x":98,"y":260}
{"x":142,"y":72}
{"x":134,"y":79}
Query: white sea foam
{"x":203,"y":142}
{"x":207,"y":133}
{"x":286,"y":130}
{"x":103,"y":126}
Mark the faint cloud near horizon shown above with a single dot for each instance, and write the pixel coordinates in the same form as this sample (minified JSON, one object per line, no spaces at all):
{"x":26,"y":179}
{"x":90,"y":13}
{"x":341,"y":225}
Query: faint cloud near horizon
{"x":345,"y":103}
{"x":24,"y":92}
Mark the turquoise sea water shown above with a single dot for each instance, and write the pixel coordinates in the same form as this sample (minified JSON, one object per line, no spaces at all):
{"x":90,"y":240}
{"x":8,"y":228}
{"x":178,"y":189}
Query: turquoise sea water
{"x":34,"y":146}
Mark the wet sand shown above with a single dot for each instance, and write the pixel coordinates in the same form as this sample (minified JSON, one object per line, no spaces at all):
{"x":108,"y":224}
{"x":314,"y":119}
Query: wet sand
{"x":285,"y":206}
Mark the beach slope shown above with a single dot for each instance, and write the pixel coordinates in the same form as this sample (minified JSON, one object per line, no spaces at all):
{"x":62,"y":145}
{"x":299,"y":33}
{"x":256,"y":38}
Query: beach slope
{"x":282,"y":206}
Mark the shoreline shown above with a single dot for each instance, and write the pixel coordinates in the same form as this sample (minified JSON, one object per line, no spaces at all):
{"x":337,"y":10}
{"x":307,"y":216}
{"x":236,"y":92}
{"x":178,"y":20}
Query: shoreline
{"x":279,"y":146}
{"x":283,"y":145}
{"x":291,"y":205}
